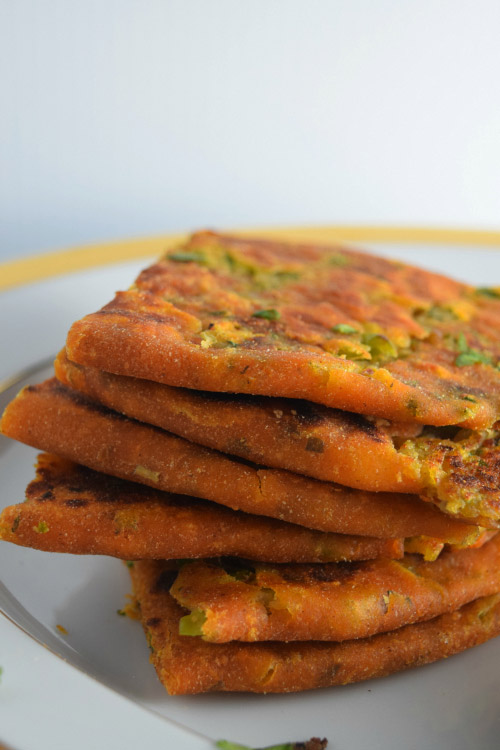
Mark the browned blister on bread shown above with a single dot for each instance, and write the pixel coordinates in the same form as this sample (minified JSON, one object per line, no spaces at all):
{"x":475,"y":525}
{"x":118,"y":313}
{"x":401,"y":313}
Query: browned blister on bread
{"x":187,"y":665}
{"x":45,"y":417}
{"x":329,"y":325}
{"x":333,"y":601}
{"x":70,"y":508}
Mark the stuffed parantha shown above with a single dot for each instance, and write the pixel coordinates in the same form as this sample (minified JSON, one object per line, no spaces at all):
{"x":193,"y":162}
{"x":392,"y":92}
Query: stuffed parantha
{"x":332,"y":601}
{"x":61,"y":421}
{"x":330,"y":325}
{"x":70,"y":508}
{"x":187,"y":665}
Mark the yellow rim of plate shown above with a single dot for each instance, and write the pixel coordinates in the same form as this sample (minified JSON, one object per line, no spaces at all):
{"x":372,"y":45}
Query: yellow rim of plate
{"x":38,"y":267}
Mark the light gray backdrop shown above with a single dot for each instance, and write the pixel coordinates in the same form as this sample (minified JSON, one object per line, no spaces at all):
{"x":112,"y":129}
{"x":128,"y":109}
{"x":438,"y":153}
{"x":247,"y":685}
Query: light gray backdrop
{"x":134,"y":117}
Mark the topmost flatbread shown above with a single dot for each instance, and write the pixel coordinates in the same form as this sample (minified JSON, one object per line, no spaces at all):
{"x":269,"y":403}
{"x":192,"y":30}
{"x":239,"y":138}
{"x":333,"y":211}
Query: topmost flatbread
{"x":329,"y":325}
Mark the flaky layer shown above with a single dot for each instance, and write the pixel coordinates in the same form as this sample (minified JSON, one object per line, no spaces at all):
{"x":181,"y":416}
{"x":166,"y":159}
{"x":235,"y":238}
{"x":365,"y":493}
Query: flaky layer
{"x":329,"y":325}
{"x":45,"y":416}
{"x":187,"y":665}
{"x":333,"y":601}
{"x":70,"y":508}
{"x":297,"y":435}
{"x":460,"y":472}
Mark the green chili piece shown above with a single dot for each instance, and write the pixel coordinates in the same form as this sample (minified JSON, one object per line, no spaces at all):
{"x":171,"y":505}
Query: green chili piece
{"x":270,"y":314}
{"x":472,"y":357}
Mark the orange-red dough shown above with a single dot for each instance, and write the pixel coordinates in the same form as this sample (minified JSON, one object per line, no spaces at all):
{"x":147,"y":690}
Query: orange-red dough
{"x":187,"y":665}
{"x":329,"y":325}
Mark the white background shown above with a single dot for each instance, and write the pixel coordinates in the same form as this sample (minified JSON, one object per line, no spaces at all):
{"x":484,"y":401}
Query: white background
{"x":133,"y":117}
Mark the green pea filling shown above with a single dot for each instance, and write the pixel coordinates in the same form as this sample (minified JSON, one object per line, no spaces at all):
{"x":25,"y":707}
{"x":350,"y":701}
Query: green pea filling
{"x":192,"y":624}
{"x":487,"y":291}
{"x":344,"y":328}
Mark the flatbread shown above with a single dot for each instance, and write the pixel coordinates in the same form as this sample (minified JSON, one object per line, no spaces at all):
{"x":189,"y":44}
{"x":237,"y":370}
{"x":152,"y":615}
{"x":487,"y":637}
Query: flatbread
{"x":328,"y":325}
{"x":459,"y":471}
{"x":187,"y":665}
{"x":332,"y":601}
{"x":45,"y":416}
{"x":307,"y":438}
{"x":70,"y":508}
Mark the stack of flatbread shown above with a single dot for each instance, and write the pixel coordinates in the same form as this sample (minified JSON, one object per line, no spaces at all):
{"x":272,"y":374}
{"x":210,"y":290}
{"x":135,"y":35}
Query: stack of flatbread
{"x":295,"y":448}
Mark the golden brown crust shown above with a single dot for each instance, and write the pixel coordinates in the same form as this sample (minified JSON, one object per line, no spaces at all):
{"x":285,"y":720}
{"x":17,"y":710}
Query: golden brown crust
{"x":333,"y":601}
{"x":329,"y":325}
{"x":187,"y":665}
{"x":70,"y":508}
{"x":45,"y":416}
{"x":459,"y":472}
{"x":299,"y":436}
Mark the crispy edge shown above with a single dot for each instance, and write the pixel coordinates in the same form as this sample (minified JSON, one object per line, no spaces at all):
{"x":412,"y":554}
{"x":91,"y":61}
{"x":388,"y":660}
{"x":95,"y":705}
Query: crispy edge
{"x":44,"y":416}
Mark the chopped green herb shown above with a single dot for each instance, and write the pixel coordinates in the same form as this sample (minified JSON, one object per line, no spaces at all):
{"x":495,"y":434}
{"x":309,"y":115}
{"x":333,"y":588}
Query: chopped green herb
{"x":465,"y":397}
{"x":472,"y":357}
{"x":185,"y":256}
{"x":469,"y":356}
{"x":267,"y":314}
{"x":129,"y":564}
{"x":121,"y":612}
{"x":344,"y":328}
{"x":487,"y":291}
{"x":41,"y":528}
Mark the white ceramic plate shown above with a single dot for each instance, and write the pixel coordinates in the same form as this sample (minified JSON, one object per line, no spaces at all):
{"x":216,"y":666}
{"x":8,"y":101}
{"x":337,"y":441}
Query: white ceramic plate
{"x":47,"y":704}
